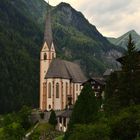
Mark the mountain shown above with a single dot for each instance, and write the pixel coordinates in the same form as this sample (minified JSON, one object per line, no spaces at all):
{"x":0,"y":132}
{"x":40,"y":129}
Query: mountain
{"x":80,"y":41}
{"x":122,"y":40}
{"x":19,"y":57}
{"x":21,"y":36}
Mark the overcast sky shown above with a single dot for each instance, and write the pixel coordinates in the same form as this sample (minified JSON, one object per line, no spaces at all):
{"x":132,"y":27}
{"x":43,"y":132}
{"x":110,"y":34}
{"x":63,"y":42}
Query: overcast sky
{"x":111,"y":17}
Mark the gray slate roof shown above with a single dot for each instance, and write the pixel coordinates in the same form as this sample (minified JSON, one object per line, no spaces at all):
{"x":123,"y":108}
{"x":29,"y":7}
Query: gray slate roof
{"x":65,"y":69}
{"x":99,"y":80}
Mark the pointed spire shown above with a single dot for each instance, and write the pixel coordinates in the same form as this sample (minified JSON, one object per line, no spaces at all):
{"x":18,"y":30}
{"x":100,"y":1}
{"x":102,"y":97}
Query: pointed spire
{"x":48,"y":30}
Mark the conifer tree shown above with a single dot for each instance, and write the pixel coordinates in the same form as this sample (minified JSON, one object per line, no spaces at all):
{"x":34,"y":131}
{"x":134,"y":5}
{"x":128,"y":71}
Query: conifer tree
{"x":129,"y":79}
{"x":131,"y":57}
{"x":53,"y":119}
{"x":85,"y":109}
{"x":127,"y":82}
{"x":112,"y":103}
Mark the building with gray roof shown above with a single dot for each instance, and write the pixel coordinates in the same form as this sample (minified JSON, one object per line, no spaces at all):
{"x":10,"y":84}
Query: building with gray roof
{"x":60,"y":80}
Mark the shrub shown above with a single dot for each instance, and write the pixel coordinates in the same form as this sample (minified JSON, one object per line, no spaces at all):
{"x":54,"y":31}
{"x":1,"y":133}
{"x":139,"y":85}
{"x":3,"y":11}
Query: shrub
{"x":42,"y":115}
{"x":90,"y":132}
{"x":126,"y":125}
{"x":53,"y":119}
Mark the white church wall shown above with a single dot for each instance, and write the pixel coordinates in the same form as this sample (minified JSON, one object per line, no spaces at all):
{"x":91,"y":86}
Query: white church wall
{"x":49,"y":100}
{"x":77,"y":90}
{"x":57,"y":100}
{"x":66,"y":89}
{"x":44,"y":65}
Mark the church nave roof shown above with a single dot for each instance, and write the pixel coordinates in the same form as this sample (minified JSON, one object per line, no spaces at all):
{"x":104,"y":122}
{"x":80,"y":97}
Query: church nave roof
{"x":65,"y":69}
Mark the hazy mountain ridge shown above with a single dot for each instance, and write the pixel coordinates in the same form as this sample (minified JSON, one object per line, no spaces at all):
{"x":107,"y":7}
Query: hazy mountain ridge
{"x":122,"y":40}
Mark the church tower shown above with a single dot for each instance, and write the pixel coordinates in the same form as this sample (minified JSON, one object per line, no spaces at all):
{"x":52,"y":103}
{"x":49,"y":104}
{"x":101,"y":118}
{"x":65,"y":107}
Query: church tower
{"x":47,"y":54}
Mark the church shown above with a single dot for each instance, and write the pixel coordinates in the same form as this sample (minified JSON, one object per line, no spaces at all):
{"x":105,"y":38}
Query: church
{"x":60,"y":80}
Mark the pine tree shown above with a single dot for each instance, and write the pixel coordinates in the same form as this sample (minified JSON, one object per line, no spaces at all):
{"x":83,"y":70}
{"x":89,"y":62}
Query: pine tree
{"x":131,"y":57}
{"x":86,"y":107}
{"x":53,"y":119}
{"x":130,"y":76}
{"x":123,"y":89}
{"x":85,"y":110}
{"x":112,"y":102}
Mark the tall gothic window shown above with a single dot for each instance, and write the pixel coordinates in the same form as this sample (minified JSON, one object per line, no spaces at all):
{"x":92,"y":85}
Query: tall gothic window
{"x":52,"y":55}
{"x":57,"y":90}
{"x":66,"y":88}
{"x":76,"y":87}
{"x":45,"y":56}
{"x":49,"y":90}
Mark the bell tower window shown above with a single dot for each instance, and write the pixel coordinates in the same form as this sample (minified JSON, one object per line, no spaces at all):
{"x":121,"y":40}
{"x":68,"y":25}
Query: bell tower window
{"x":45,"y":56}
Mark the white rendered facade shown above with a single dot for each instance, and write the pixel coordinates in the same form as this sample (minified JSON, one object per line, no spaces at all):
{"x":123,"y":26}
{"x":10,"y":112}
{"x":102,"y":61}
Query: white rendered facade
{"x":46,"y":57}
{"x":57,"y":92}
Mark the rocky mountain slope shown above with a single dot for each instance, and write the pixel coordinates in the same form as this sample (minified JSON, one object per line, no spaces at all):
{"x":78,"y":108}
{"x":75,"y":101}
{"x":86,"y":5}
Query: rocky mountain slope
{"x":122,"y":40}
{"x":80,"y":41}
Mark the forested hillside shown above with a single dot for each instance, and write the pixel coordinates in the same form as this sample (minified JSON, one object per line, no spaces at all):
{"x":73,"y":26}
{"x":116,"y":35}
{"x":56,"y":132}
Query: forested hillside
{"x":80,"y":41}
{"x":21,"y":37}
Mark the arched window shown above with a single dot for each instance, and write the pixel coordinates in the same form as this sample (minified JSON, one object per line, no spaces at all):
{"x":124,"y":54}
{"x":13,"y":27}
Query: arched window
{"x":49,"y":106}
{"x":76,"y":87}
{"x":45,"y":56}
{"x":79,"y":87}
{"x":57,"y":90}
{"x":66,"y":88}
{"x":52,"y":55}
{"x":49,"y":90}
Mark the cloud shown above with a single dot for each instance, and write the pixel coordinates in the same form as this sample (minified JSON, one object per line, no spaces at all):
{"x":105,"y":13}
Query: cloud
{"x":111,"y":17}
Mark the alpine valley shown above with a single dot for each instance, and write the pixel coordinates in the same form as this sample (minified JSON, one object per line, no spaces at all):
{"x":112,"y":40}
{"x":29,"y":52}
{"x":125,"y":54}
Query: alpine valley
{"x":21,"y":36}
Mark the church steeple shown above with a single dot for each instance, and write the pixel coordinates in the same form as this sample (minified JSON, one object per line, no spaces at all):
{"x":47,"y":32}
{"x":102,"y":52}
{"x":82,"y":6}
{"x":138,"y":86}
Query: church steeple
{"x":47,"y":55}
{"x":48,"y":30}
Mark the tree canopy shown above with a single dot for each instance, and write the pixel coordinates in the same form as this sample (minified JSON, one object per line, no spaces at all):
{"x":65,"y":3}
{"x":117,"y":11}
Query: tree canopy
{"x":85,"y":109}
{"x":123,"y":87}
